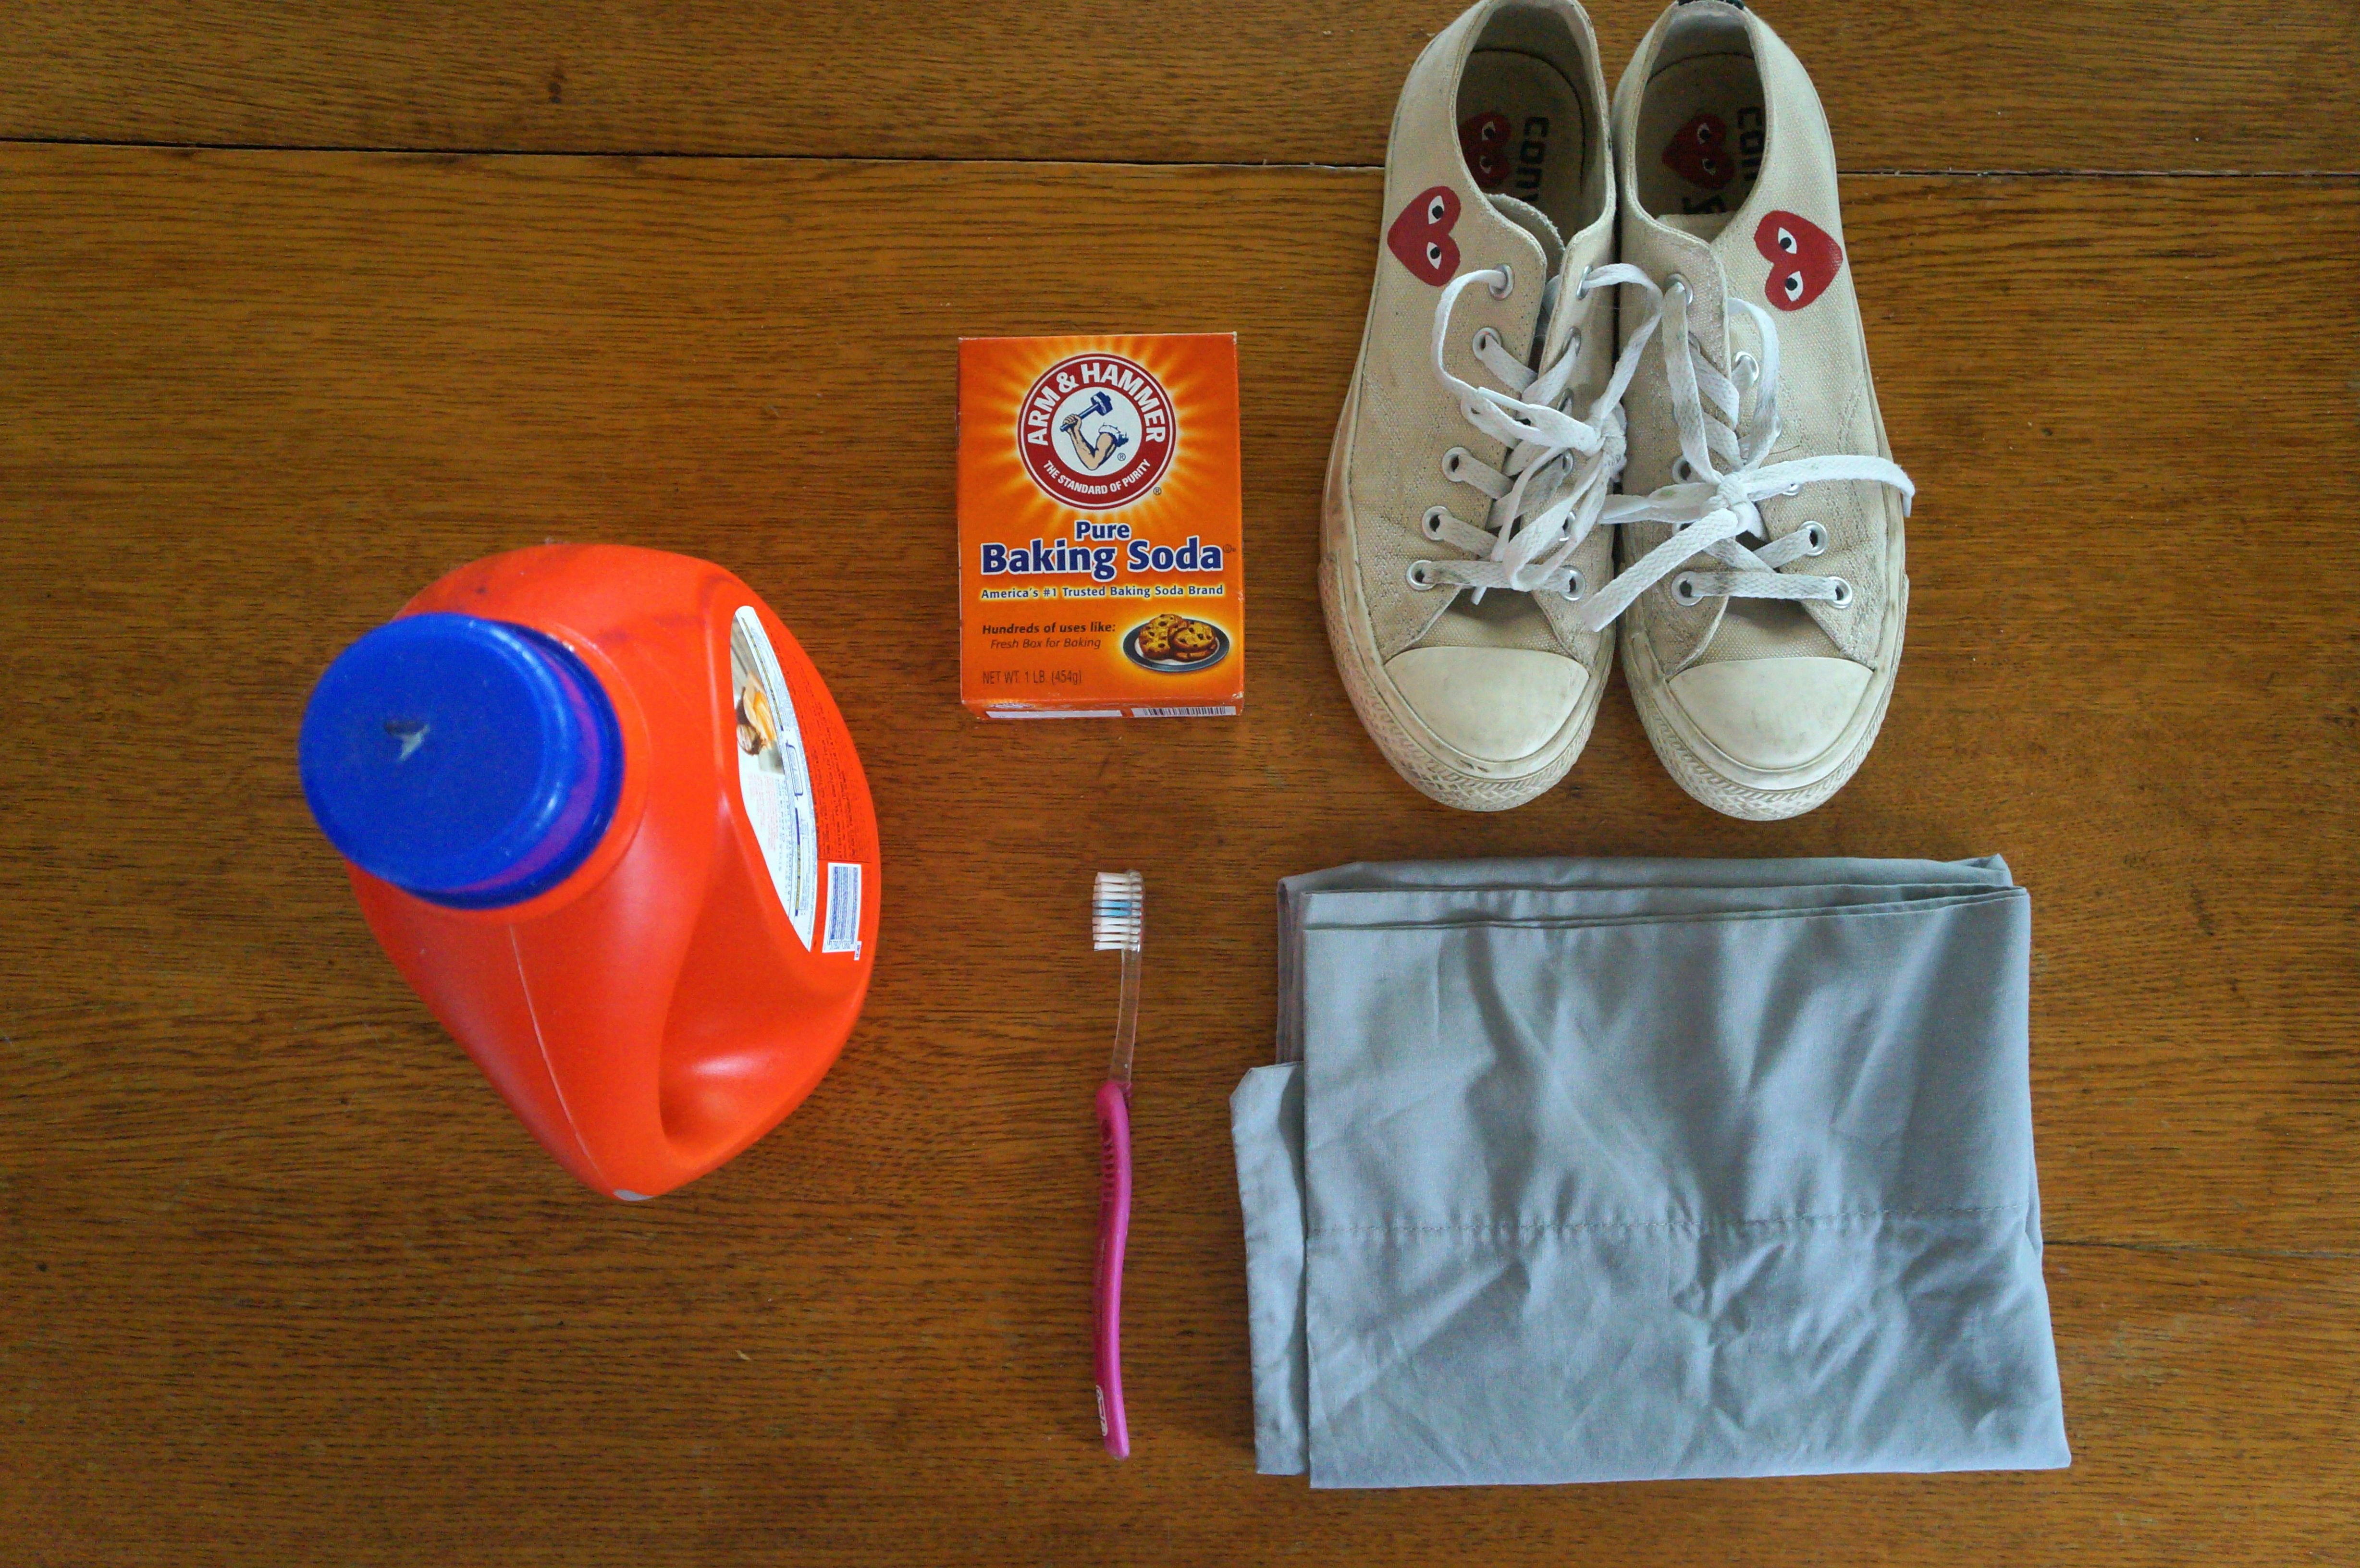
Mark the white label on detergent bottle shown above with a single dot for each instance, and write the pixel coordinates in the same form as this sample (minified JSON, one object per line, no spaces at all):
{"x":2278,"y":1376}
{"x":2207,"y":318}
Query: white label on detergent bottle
{"x":773,"y":773}
{"x":842,"y":933}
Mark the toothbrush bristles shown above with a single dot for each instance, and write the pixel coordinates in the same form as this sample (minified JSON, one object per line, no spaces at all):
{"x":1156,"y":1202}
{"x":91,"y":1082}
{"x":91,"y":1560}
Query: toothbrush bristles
{"x":1118,"y":911}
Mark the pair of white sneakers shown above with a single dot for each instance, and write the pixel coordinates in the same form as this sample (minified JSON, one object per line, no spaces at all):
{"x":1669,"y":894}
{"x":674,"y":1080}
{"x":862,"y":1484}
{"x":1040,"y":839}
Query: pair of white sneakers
{"x":1562,"y":304}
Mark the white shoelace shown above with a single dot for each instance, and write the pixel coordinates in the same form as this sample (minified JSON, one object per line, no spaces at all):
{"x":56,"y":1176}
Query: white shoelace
{"x":1553,"y":488}
{"x":1725,"y":476}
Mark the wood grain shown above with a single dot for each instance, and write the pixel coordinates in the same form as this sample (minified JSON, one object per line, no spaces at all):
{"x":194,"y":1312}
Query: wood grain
{"x":2159,"y":85}
{"x":288,"y":1284}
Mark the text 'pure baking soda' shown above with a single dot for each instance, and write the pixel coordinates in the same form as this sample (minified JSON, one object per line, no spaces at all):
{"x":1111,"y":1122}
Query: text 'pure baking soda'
{"x":1102,"y":572}
{"x":604,"y":816}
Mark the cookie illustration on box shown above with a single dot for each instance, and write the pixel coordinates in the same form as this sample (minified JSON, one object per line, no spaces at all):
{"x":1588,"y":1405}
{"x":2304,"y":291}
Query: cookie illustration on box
{"x":1172,"y":644}
{"x":1195,"y":642}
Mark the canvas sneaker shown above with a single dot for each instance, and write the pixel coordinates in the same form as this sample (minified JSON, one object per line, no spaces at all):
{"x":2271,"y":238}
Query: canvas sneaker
{"x":1479,"y":441}
{"x":1760,"y":533}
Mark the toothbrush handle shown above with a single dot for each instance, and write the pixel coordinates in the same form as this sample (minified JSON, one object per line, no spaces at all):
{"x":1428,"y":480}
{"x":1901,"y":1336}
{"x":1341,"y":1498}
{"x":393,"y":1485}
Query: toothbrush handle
{"x":1114,"y":1226}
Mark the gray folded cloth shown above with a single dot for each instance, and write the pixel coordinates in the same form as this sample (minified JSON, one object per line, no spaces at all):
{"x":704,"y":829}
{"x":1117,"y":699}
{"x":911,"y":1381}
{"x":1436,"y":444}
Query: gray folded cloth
{"x":1618,"y":1170}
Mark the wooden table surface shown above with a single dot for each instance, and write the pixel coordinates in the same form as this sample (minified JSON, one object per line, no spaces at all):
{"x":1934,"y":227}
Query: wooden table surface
{"x":302,"y":307}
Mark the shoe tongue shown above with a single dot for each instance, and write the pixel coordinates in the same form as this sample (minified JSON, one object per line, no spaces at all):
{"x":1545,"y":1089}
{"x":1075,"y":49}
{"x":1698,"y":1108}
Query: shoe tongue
{"x":1535,"y":222}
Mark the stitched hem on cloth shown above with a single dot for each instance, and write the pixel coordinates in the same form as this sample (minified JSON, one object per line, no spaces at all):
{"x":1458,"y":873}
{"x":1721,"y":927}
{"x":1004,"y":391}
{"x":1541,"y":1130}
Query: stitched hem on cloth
{"x":1515,"y":1227}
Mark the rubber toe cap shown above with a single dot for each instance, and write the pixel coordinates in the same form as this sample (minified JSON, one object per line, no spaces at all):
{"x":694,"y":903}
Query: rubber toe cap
{"x":1496,"y":704}
{"x":1773,"y":713}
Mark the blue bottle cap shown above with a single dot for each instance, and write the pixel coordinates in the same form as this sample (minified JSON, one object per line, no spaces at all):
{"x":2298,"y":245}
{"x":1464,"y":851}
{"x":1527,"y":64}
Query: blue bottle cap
{"x":475,"y":763}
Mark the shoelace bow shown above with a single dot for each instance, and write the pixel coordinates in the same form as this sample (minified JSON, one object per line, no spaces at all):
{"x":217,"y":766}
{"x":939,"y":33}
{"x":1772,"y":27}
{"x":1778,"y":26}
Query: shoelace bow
{"x":1544,"y":497}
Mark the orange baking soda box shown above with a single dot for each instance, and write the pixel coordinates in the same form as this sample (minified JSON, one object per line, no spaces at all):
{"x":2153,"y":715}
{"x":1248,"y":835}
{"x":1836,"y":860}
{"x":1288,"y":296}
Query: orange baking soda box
{"x":1101,"y":570}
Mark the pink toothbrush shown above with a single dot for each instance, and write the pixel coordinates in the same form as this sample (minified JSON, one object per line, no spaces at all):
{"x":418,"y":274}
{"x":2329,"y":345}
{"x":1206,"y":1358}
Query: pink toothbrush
{"x":1118,"y":921}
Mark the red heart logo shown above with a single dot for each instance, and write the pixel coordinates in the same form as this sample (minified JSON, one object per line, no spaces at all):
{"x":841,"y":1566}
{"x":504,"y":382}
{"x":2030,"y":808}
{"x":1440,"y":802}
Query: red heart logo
{"x":1699,"y":153}
{"x":1484,"y":140}
{"x":1420,"y":238}
{"x":1804,"y":258}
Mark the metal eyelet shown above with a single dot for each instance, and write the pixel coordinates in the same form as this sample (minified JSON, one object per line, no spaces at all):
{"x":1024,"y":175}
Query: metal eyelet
{"x":1684,"y":588}
{"x":1453,"y":460}
{"x":1683,"y":471}
{"x":1420,"y":575}
{"x":1507,"y":284}
{"x":1843,"y":600}
{"x":1573,"y":345}
{"x":1815,"y":539}
{"x":1745,"y":369}
{"x":1679,"y":286}
{"x":1432,"y":525}
{"x":1573,"y":586}
{"x":1485,"y":338}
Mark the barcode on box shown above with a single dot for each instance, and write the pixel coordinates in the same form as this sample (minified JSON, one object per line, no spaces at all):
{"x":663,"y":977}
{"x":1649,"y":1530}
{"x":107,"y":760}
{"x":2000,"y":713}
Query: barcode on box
{"x":842,"y":933}
{"x":1222,"y":710}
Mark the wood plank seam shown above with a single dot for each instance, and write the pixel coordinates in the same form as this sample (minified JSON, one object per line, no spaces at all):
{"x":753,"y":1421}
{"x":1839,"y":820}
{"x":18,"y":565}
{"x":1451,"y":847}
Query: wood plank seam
{"x":673,"y":154}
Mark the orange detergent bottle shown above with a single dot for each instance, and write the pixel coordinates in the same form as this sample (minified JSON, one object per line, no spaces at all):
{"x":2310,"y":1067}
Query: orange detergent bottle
{"x":603,"y":814}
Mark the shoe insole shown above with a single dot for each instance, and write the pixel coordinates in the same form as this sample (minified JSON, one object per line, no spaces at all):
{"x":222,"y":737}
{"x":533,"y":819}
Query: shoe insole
{"x":1521,"y":128}
{"x":1701,"y":136}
